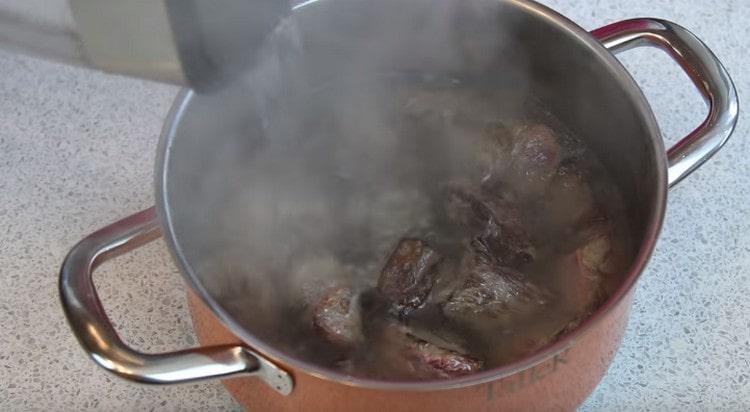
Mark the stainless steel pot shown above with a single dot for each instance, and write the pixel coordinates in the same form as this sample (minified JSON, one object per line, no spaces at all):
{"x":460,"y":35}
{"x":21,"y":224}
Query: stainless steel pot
{"x":205,"y":139}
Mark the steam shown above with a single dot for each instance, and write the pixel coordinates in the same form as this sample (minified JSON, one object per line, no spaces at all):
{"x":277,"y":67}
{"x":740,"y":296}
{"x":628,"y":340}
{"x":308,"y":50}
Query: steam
{"x":344,"y":192}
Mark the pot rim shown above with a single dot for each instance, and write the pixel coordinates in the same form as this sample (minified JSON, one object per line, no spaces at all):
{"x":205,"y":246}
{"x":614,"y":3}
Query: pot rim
{"x":655,"y":221}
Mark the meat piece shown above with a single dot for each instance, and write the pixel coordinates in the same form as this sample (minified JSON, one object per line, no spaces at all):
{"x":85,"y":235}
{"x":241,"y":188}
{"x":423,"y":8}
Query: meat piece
{"x":596,"y":254}
{"x":337,"y":317}
{"x":473,"y":211}
{"x":571,"y":196}
{"x":464,"y":208}
{"x":504,"y":245}
{"x":409,"y":275}
{"x":535,"y":157}
{"x":494,"y":294}
{"x":588,"y":292}
{"x":414,"y":357}
{"x":501,"y":233}
{"x":439,"y":362}
{"x":595,"y":261}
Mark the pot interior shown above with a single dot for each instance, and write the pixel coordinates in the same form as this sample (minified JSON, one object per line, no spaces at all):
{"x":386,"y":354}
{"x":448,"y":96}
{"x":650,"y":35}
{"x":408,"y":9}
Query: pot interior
{"x":223,"y":162}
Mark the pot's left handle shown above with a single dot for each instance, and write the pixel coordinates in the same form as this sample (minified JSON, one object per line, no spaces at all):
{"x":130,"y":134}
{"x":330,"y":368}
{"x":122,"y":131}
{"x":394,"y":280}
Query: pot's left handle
{"x":98,"y":337}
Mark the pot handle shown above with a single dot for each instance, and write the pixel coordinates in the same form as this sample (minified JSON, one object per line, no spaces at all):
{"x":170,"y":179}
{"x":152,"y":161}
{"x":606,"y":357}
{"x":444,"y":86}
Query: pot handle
{"x":99,"y":339}
{"x":703,"y":68}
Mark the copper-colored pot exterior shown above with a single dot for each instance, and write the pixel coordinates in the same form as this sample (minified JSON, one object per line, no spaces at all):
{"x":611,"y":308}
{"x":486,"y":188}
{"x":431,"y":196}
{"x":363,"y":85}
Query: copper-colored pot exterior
{"x":560,"y":383}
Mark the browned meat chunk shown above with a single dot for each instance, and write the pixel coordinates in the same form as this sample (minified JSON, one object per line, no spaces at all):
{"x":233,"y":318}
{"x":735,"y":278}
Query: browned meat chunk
{"x":414,"y":357}
{"x":409,"y":275}
{"x":465,"y":209}
{"x":535,"y":157}
{"x":337,"y":316}
{"x":492,"y":293}
{"x":502,"y":237}
{"x":439,"y":362}
{"x":504,"y":245}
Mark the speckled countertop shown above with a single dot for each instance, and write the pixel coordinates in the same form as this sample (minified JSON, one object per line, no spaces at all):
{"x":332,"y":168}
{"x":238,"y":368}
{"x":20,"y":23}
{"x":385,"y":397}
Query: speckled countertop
{"x":76,"y":153}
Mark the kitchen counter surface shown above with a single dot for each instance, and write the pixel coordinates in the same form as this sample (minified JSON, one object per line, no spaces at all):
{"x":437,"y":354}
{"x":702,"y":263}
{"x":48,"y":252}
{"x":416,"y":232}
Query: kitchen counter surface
{"x":76,"y":153}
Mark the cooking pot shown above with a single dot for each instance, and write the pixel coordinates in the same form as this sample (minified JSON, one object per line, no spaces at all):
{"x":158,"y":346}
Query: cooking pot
{"x":207,"y":137}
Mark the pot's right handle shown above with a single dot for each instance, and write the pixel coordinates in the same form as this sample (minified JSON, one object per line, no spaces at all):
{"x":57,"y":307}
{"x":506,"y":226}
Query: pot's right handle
{"x":703,"y":68}
{"x":99,"y":339}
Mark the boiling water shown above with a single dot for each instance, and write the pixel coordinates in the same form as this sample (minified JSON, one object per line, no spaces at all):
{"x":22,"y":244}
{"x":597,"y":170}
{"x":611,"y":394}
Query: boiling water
{"x":387,"y":151}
